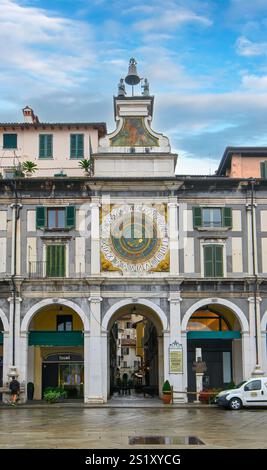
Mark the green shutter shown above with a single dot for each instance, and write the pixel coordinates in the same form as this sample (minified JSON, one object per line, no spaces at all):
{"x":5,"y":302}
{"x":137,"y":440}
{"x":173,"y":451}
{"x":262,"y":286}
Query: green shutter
{"x":41,"y":146}
{"x":55,"y":261}
{"x":70,"y":216}
{"x":197,"y":217}
{"x":264,"y":170}
{"x":49,"y":145}
{"x":9,"y":141}
{"x":227,"y":216}
{"x":80,"y":146}
{"x":45,"y":146}
{"x":208,"y":261}
{"x":73,"y":145}
{"x":40,"y":217}
{"x":76,"y":146}
{"x":218,"y":261}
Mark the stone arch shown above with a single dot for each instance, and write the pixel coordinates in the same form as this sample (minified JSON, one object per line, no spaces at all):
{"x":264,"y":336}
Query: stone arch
{"x":264,"y":322}
{"x":227,"y":303}
{"x":123,"y":303}
{"x":4,"y":320}
{"x":45,"y":303}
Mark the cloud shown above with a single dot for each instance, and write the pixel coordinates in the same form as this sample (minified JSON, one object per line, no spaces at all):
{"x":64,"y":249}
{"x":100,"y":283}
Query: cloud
{"x":45,"y":46}
{"x":247,"y":48}
{"x":171,"y":20}
{"x":255,"y":82}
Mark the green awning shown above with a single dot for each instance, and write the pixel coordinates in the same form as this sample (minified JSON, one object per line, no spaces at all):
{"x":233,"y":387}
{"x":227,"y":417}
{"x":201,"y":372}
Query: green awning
{"x":56,"y":338}
{"x":1,"y":337}
{"x":213,"y":335}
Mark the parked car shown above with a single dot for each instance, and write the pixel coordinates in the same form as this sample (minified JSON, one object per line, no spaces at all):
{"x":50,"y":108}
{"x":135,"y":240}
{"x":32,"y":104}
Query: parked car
{"x":253,"y":392}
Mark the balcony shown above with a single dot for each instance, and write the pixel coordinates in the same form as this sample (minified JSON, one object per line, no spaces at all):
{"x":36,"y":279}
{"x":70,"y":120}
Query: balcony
{"x":41,"y":270}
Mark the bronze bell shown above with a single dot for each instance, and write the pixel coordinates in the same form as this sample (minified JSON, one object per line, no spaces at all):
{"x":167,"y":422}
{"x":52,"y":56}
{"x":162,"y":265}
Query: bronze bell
{"x":132,"y":78}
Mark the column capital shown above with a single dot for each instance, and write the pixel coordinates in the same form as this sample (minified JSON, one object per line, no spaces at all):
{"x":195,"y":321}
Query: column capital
{"x":173,"y":204}
{"x":251,"y":300}
{"x":18,"y":299}
{"x":94,"y":205}
{"x":175,"y":300}
{"x":95,"y":299}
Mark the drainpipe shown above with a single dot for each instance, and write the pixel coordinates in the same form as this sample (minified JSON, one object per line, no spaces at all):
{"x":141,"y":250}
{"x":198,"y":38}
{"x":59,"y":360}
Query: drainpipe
{"x":258,"y":370}
{"x":15,"y":216}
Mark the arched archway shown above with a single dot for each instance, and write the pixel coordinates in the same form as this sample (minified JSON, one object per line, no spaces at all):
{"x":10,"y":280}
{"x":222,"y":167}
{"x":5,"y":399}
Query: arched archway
{"x":151,"y":323}
{"x":46,"y":302}
{"x":213,"y":328}
{"x":264,"y":340}
{"x":4,"y":327}
{"x":55,"y":329}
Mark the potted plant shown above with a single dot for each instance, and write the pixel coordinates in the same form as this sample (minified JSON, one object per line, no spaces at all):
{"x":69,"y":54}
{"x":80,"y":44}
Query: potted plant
{"x":87,"y":166}
{"x":166,"y":393}
{"x":51,"y":396}
{"x":18,"y":171}
{"x":30,"y":390}
{"x":29,"y":167}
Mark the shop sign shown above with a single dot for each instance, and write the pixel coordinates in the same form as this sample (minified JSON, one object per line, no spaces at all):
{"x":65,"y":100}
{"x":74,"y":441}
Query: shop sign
{"x":175,"y":358}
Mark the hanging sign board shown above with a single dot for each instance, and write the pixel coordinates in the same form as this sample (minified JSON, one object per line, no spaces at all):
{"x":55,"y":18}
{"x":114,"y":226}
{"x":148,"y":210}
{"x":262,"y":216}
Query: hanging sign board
{"x":175,"y":358}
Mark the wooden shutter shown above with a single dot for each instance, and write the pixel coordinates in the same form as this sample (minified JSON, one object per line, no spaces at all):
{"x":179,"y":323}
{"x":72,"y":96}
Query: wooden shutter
{"x":218,"y":261}
{"x":49,"y":145}
{"x":41,"y":146}
{"x":80,"y":146}
{"x":208,"y":261}
{"x":45,"y":145}
{"x":73,"y":145}
{"x":55,"y":260}
{"x":40,"y":214}
{"x":70,"y":216}
{"x":264,"y":170}
{"x":76,"y":146}
{"x":9,"y":141}
{"x":197,"y":217}
{"x":227,"y":216}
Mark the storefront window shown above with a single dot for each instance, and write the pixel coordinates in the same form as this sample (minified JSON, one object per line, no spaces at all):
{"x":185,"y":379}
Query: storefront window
{"x":206,"y":320}
{"x":72,"y":378}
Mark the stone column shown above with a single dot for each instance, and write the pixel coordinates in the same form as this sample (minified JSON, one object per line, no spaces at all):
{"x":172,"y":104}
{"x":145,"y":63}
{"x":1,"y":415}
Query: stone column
{"x":255,"y":324}
{"x":199,"y":385}
{"x":173,"y":236}
{"x":94,"y":373}
{"x":22,"y":364}
{"x":86,"y":352}
{"x":176,"y":379}
{"x":95,"y":236}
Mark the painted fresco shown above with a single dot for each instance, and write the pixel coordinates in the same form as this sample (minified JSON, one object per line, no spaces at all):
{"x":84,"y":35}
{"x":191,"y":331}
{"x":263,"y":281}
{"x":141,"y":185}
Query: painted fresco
{"x":134,"y":134}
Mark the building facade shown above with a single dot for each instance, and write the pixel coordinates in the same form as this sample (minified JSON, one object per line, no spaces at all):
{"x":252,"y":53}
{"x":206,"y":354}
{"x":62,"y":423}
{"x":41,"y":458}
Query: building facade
{"x":77,"y":253}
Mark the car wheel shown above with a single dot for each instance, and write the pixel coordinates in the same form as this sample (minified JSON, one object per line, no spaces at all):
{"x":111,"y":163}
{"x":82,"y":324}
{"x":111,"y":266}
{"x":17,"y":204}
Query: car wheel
{"x":235,"y":404}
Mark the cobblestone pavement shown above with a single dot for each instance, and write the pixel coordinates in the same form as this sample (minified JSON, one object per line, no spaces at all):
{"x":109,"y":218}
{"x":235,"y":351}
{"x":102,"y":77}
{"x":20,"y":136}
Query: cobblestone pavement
{"x":111,"y":428}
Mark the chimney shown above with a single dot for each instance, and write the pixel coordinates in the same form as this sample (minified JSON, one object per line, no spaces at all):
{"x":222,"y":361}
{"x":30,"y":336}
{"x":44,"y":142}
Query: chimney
{"x":29,"y":116}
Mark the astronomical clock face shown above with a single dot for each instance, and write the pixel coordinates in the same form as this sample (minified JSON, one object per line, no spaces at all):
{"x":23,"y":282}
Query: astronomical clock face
{"x":134,"y":238}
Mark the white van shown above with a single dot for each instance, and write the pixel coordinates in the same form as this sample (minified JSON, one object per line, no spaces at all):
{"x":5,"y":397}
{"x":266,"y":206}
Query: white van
{"x":250,"y":393}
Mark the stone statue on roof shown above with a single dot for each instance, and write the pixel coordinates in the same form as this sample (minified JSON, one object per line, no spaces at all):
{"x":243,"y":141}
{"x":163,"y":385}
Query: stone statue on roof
{"x":145,"y":87}
{"x":121,"y":88}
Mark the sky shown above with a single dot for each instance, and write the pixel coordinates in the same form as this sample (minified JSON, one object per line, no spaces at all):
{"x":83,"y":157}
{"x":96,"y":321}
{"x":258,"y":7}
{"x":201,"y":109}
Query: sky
{"x":205,"y":60}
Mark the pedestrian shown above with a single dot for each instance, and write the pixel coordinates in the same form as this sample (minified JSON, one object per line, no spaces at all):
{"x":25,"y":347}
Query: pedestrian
{"x":14,"y":388}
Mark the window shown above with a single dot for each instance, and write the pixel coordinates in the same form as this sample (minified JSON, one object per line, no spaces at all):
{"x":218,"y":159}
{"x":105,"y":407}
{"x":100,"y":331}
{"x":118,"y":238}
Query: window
{"x":55,"y":260}
{"x":46,"y":146}
{"x":213,"y":217}
{"x":128,"y":325}
{"x":125,"y":364}
{"x":9,"y":141}
{"x":254,"y":385}
{"x":64,"y":322}
{"x":55,"y":217}
{"x":76,"y":146}
{"x":263,"y":167}
{"x":125,"y":351}
{"x":213,"y":260}
{"x":205,"y":320}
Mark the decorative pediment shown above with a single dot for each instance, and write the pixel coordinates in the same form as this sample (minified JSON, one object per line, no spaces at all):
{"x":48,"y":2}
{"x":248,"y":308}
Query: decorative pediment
{"x":134,"y":133}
